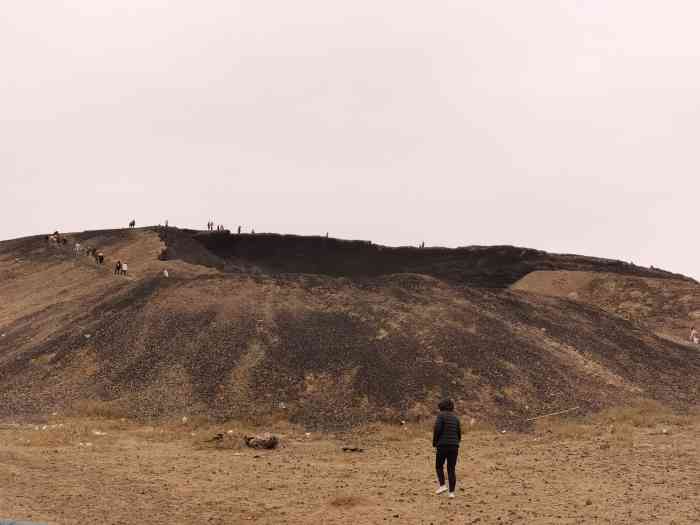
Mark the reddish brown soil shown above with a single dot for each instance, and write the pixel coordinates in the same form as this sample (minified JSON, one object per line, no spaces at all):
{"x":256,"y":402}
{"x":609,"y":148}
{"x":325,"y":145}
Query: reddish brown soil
{"x":605,"y":474}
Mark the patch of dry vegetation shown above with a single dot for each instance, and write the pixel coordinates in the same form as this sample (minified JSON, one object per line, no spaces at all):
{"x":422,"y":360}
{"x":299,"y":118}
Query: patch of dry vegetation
{"x":643,"y":414}
{"x":393,"y":433}
{"x":90,"y":408}
{"x":421,"y":430}
{"x":71,"y":432}
{"x":617,"y":425}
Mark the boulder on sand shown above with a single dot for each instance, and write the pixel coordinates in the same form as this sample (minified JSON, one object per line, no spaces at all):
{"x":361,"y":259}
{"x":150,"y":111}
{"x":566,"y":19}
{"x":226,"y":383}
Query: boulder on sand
{"x":265,"y":440}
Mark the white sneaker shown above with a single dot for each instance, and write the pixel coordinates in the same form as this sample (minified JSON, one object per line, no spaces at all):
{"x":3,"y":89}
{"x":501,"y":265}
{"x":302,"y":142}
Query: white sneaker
{"x":441,"y":489}
{"x":451,"y":495}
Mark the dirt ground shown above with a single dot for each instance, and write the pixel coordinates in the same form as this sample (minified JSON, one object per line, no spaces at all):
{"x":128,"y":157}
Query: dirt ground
{"x":621,"y":468}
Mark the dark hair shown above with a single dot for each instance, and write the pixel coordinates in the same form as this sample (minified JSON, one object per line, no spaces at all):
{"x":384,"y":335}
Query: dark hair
{"x":446,"y":404}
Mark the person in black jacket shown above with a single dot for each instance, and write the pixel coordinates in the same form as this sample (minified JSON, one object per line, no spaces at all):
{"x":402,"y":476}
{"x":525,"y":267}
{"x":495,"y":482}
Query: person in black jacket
{"x":446,"y":437}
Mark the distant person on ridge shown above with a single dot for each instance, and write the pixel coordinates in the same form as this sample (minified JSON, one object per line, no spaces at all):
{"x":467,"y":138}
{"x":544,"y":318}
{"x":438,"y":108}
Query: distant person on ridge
{"x":125,"y":268}
{"x":447,"y":435}
{"x":118,"y":268}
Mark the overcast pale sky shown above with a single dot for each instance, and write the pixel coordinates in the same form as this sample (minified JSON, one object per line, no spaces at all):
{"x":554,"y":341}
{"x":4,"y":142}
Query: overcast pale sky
{"x":569,"y":126}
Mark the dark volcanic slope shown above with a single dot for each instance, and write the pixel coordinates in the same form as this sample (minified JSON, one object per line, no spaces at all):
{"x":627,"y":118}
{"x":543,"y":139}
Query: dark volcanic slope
{"x":325,"y":351}
{"x":477,"y":266}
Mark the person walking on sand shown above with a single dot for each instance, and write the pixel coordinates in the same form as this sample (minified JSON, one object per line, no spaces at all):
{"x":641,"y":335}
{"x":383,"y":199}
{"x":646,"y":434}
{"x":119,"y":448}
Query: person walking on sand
{"x":447,"y":435}
{"x":118,"y":268}
{"x":694,"y":338}
{"x":125,"y":269}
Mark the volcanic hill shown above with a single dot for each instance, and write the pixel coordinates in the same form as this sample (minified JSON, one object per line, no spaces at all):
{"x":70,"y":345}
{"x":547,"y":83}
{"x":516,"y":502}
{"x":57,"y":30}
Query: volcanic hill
{"x":334,"y":333}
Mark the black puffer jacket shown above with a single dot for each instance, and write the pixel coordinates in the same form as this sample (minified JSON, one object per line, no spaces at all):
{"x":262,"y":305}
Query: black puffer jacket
{"x":447,"y":431}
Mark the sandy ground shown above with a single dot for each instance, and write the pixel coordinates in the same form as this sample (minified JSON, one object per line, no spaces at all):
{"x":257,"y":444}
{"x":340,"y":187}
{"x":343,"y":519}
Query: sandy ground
{"x":110,"y":472}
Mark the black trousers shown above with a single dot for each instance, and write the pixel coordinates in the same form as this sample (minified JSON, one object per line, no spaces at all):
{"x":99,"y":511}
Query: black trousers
{"x":448,"y":454}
